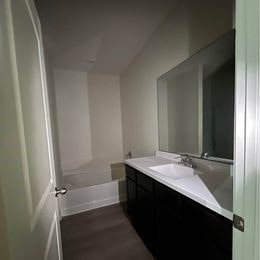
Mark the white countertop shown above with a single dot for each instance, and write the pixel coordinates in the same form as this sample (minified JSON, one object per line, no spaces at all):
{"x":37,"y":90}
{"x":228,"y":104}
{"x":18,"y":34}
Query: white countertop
{"x":213,"y":189}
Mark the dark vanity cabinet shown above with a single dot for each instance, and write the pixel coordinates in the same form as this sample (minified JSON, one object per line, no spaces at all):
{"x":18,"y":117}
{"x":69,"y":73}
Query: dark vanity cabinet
{"x":145,"y":209}
{"x":173,"y":226}
{"x":131,"y":194}
{"x":168,"y":223}
{"x":140,"y":205}
{"x":208,"y":233}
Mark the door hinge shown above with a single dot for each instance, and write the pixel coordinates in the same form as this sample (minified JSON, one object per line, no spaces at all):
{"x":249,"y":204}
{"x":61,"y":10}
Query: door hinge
{"x":238,"y":222}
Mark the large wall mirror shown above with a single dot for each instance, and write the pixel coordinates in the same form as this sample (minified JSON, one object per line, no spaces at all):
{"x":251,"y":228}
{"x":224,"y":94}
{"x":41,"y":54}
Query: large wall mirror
{"x":196,"y":103}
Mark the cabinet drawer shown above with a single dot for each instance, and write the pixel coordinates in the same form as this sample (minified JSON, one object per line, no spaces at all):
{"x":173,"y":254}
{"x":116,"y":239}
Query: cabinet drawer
{"x":130,"y":173}
{"x":168,"y":197}
{"x":145,"y":182}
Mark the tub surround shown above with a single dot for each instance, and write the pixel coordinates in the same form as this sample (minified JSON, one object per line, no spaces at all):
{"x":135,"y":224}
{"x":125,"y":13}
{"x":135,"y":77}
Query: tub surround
{"x":93,"y":187}
{"x":212,"y":188}
{"x":87,"y":177}
{"x":88,"y":198}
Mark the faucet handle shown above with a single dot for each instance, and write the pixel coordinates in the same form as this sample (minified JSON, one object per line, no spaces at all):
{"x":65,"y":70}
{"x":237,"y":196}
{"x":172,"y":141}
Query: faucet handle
{"x":184,"y":158}
{"x":204,"y":155}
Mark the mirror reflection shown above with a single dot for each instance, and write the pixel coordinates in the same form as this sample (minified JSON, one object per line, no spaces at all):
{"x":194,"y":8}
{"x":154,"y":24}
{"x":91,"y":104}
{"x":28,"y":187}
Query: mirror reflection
{"x":196,"y":103}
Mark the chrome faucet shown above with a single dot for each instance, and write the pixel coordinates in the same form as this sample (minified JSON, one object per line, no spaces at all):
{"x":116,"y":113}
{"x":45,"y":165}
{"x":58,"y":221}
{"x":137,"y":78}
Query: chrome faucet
{"x":204,"y":155}
{"x":186,"y":160}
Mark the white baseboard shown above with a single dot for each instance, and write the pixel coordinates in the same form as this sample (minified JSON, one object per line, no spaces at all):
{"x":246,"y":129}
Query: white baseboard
{"x":92,"y":205}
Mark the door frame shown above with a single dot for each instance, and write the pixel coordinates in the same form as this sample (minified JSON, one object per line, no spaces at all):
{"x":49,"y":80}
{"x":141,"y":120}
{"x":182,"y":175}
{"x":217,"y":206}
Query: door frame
{"x":247,"y":131}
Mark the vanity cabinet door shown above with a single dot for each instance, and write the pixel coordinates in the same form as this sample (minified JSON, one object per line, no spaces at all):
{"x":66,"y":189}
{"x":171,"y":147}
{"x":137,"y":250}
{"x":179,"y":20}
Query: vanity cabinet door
{"x":213,"y":252}
{"x":218,"y":233}
{"x":219,"y":230}
{"x":168,"y":223}
{"x":131,"y":199}
{"x":168,"y":234}
{"x":145,"y":218}
{"x":207,"y":233}
{"x":193,"y":233}
{"x":168,"y":197}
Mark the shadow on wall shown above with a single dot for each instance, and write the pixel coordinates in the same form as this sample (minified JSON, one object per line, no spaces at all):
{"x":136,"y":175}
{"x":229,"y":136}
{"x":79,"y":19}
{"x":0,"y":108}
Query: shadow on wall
{"x":53,"y":114}
{"x":205,"y":27}
{"x":117,"y":171}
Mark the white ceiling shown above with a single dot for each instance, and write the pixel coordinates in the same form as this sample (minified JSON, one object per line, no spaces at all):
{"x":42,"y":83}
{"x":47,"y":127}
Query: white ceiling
{"x":99,"y":35}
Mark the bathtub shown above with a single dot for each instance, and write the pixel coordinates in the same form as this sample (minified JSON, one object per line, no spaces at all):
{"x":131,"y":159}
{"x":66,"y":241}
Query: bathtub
{"x":92,"y":187}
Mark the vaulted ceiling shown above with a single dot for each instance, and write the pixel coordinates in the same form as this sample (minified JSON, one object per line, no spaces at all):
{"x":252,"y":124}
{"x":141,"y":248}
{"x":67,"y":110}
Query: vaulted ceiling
{"x":99,"y":35}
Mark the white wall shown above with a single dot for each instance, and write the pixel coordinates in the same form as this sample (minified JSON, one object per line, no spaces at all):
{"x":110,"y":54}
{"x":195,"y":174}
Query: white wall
{"x":73,"y":118}
{"x":105,"y":116}
{"x":88,"y":119}
{"x":191,"y":26}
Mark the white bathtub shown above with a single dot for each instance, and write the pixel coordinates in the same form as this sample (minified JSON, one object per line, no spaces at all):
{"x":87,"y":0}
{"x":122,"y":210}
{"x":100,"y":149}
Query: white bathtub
{"x":90,"y":188}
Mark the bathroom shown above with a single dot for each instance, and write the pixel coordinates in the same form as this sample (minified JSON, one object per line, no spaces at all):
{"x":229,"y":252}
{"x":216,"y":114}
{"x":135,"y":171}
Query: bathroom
{"x":96,"y":110}
{"x":134,"y":160}
{"x":105,"y":107}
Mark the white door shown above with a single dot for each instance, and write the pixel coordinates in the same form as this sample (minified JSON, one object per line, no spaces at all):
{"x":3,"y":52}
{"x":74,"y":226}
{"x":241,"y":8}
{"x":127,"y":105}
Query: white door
{"x":27,"y":169}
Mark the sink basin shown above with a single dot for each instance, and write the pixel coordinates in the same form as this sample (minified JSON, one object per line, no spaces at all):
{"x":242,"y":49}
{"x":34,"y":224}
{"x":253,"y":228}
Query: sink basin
{"x":174,"y":171}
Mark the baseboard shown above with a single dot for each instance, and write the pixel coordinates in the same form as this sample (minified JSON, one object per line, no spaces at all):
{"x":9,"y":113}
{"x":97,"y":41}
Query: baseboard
{"x":92,"y":205}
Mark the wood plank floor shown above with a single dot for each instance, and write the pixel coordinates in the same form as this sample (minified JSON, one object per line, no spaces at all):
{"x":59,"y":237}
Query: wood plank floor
{"x":102,"y":234}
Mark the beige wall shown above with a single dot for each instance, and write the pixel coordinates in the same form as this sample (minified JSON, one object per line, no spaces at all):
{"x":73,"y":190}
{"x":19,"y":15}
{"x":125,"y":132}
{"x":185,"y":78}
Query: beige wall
{"x":191,"y":26}
{"x":105,"y":116}
{"x":53,"y":114}
{"x":4,"y":250}
{"x":88,"y":118}
{"x":72,"y":118}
